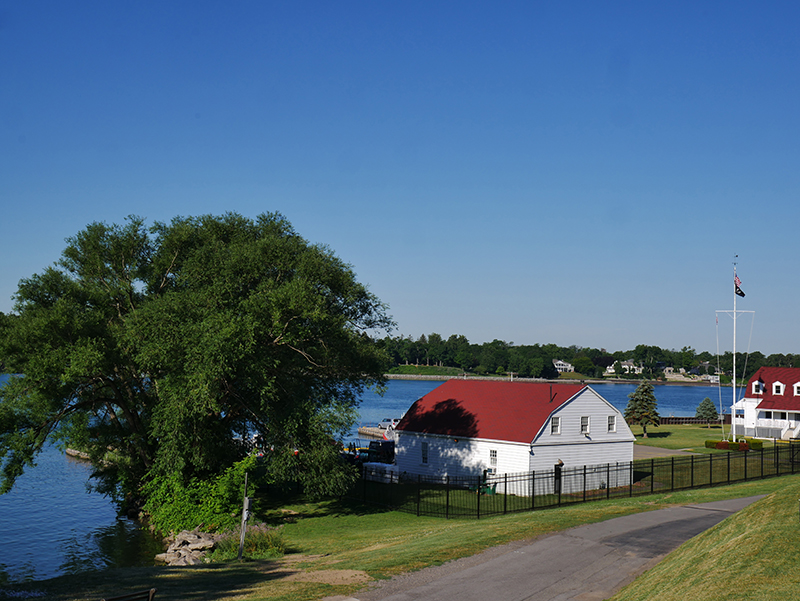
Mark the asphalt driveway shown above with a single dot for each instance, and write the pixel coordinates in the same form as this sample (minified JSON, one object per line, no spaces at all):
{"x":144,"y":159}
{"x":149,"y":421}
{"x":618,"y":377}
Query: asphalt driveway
{"x":586,"y":563}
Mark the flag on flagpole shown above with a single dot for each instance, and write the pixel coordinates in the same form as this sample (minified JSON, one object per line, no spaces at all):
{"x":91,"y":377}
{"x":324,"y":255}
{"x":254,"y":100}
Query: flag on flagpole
{"x":737,"y":285}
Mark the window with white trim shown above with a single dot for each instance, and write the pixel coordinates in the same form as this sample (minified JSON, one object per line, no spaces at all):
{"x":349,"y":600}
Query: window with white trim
{"x":612,"y":423}
{"x":493,"y":457}
{"x":758,"y":387}
{"x":555,"y":425}
{"x":424,"y":447}
{"x":585,"y":424}
{"x":777,"y":388}
{"x":797,"y":389}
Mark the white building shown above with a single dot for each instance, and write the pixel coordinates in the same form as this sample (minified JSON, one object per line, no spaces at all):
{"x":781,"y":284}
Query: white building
{"x":467,"y":428}
{"x":771,"y":404}
{"x":563,"y":366}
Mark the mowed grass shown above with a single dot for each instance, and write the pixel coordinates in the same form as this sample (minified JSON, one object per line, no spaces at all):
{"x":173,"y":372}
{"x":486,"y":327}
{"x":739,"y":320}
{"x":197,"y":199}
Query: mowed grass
{"x":752,"y":555}
{"x":683,"y":436}
{"x":334,"y":547}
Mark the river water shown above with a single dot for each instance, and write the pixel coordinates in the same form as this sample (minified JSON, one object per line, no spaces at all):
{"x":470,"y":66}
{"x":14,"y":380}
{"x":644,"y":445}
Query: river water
{"x":52,"y":525}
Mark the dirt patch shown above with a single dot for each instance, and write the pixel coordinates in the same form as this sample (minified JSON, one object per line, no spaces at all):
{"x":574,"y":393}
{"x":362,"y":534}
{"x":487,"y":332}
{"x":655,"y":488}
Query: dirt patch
{"x":330,"y":577}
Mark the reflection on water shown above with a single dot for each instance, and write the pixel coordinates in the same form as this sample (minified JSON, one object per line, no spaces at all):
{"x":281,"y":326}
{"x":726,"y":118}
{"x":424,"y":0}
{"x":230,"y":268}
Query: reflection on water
{"x":52,"y":525}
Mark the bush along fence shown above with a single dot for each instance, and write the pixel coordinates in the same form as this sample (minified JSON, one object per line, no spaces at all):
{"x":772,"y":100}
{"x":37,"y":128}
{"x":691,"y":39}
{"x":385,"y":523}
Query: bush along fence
{"x":479,"y":496}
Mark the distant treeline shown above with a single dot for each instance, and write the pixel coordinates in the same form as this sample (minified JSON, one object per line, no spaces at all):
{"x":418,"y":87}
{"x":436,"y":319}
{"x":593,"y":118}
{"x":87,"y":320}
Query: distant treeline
{"x":536,"y":361}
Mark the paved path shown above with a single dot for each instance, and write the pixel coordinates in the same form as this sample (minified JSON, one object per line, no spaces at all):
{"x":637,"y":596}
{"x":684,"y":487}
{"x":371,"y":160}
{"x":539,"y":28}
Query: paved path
{"x":587,"y":563}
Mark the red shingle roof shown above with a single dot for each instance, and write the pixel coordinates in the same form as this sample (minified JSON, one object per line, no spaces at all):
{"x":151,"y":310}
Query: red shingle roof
{"x":513,"y":411}
{"x":788,"y":376}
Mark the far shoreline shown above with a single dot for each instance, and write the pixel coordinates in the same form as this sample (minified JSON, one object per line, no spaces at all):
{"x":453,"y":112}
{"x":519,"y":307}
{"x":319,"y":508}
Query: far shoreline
{"x":444,"y":378}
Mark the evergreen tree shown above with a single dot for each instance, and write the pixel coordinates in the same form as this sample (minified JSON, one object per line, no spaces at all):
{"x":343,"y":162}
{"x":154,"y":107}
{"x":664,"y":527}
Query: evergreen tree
{"x":706,"y":411}
{"x":642,"y":409}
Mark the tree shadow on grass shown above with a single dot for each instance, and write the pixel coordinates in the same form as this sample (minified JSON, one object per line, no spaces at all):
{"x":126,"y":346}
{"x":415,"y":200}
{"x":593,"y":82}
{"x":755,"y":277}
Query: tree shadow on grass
{"x":655,"y":434}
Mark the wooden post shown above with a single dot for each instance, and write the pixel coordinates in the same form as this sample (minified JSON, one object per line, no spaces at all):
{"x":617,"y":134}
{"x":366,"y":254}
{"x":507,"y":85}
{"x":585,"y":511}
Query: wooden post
{"x":245,"y":515}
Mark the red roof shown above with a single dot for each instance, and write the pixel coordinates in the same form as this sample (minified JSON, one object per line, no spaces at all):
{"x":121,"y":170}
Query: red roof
{"x":788,"y":376}
{"x":513,"y":411}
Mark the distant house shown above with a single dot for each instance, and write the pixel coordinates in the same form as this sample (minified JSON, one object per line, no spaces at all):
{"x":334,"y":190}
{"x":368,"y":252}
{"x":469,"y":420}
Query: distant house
{"x":466,"y":428}
{"x":771,"y":404}
{"x":627,"y":367}
{"x":563,"y":366}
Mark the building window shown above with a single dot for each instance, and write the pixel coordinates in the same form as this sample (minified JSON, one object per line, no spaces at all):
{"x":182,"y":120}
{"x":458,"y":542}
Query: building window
{"x":585,"y":424}
{"x":797,"y":389}
{"x":555,"y":425}
{"x":493,"y":457}
{"x":777,"y":388}
{"x":612,"y":423}
{"x":758,"y":387}
{"x":424,"y":452}
{"x":780,"y":415}
{"x":768,"y":415}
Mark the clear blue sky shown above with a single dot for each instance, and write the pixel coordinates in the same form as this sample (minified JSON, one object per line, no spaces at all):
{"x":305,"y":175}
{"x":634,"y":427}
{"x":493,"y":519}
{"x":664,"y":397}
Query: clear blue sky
{"x":567,"y":172}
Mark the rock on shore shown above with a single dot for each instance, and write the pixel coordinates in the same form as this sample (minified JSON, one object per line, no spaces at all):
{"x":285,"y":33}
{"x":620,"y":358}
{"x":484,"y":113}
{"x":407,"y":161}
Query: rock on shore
{"x":188,"y":548}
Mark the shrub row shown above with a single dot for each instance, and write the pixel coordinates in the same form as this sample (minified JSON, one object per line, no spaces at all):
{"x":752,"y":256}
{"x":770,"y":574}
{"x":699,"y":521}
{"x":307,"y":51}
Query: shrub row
{"x":741,"y":445}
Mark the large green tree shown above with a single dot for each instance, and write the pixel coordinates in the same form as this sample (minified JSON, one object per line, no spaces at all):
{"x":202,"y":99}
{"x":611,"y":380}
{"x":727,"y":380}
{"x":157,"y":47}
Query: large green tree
{"x":642,"y":407}
{"x":163,"y":350}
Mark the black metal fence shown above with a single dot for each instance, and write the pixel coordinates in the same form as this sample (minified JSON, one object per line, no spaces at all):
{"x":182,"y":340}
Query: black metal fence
{"x":480,"y":496}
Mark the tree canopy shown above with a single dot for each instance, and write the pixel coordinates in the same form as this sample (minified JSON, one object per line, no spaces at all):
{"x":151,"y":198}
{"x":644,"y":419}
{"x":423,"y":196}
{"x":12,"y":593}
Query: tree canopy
{"x":642,"y":407}
{"x":162,"y":351}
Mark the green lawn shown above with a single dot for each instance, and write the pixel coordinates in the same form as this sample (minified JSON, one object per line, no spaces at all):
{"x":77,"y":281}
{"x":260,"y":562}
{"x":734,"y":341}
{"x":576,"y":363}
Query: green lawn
{"x":331,"y":545}
{"x":328,"y":541}
{"x":682,"y":436}
{"x":753,"y":555}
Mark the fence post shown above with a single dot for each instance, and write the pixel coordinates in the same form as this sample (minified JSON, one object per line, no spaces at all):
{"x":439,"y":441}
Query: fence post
{"x":672,"y":473}
{"x":777,"y":461}
{"x":505,"y":493}
{"x":630,"y":479}
{"x":447,"y":497}
{"x":584,"y":484}
{"x":419,"y":491}
{"x":710,"y":469}
{"x":691,"y":472}
{"x":608,"y":480}
{"x":762,"y":460}
{"x":729,"y":466}
{"x":745,"y":467}
{"x":652,"y":475}
{"x":479,"y":498}
{"x":533,"y":489}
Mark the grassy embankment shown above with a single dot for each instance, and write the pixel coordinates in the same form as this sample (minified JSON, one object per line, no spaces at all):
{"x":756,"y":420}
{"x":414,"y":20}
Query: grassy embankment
{"x":334,"y":547}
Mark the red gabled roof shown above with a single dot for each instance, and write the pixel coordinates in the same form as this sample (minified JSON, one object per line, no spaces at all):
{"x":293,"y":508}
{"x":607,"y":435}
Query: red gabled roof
{"x":788,"y":376}
{"x":513,"y":411}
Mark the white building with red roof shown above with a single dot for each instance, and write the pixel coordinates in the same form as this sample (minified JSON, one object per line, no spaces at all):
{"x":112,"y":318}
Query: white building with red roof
{"x":771,"y":404}
{"x":467,"y":428}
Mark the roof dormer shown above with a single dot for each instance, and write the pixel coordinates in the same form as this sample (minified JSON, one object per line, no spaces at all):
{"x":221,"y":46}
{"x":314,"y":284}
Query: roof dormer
{"x":797,"y":389}
{"x":758,"y":387}
{"x":778,"y":388}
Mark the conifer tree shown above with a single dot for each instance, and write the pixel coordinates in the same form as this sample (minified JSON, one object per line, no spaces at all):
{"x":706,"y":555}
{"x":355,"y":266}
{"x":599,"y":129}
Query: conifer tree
{"x":642,"y":408}
{"x":706,"y":411}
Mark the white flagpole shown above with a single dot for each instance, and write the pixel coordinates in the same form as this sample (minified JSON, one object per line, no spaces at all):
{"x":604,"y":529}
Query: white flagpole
{"x":733,"y":403}
{"x":735,"y":313}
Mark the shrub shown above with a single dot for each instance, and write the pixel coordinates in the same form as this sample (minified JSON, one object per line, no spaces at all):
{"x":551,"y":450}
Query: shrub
{"x":208,"y":505}
{"x":260,"y":542}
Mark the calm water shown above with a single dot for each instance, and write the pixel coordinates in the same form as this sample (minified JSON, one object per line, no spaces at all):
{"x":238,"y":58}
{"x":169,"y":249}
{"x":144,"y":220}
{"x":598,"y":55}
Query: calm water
{"x":52,"y":526}
{"x":678,"y":401}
